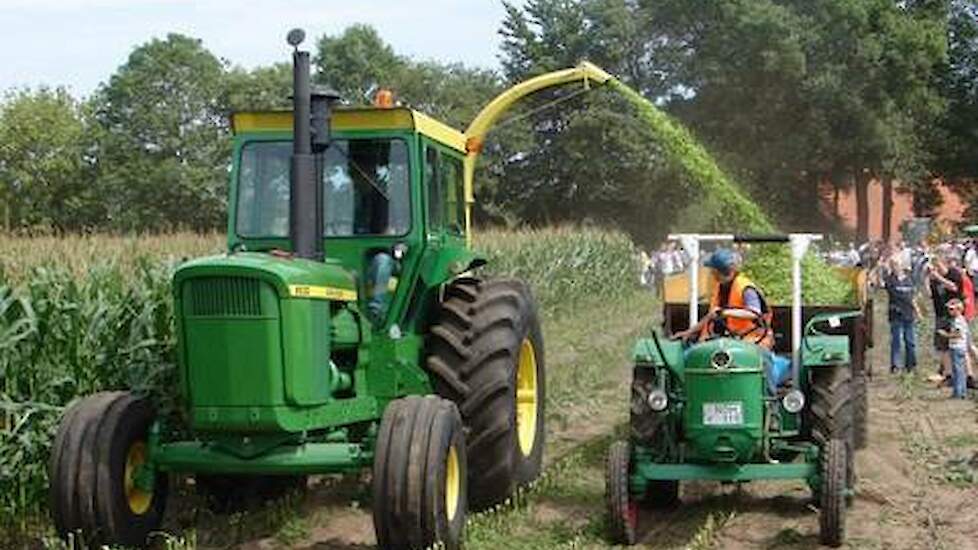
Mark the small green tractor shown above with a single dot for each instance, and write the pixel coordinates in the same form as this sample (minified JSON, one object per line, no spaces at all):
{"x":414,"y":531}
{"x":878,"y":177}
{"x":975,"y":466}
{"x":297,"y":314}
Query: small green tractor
{"x":716,"y":409}
{"x":343,"y":329}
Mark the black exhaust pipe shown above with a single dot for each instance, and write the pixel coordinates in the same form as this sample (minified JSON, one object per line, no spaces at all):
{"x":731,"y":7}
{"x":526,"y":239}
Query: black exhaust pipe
{"x":310,"y":135}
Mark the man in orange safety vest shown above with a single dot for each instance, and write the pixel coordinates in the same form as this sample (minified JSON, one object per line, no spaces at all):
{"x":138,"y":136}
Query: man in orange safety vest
{"x":733,"y":290}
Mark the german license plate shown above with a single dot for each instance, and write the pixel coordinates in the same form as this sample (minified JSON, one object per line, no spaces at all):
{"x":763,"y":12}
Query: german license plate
{"x":723,"y":414}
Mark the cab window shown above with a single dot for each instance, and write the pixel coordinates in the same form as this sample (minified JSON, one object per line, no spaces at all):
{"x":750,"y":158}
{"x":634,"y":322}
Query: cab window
{"x":365,"y":188}
{"x":451,"y":173}
{"x":444,"y":175}
{"x":432,"y":181}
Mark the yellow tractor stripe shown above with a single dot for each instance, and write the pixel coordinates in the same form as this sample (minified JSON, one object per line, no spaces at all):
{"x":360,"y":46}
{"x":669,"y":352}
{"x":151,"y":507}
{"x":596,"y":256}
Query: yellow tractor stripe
{"x":322,"y":293}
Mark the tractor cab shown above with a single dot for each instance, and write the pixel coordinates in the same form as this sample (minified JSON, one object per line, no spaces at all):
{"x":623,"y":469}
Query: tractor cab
{"x":392,"y":193}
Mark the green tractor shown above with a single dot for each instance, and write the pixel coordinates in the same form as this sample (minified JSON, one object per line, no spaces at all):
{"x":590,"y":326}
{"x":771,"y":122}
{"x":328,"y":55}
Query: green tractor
{"x":718,"y":410}
{"x":343,"y":329}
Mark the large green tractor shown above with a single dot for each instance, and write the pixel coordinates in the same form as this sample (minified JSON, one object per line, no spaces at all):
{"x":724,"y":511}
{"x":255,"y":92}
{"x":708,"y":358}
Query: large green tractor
{"x":718,"y":408}
{"x":342,"y":330}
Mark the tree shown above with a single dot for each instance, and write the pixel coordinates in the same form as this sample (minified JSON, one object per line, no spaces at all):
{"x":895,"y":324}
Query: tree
{"x":955,"y":139}
{"x":452,"y":93}
{"x":357,"y":63}
{"x":583,"y":157}
{"x":797,"y":93}
{"x":165,"y":148}
{"x":260,"y":89}
{"x":45,"y":176}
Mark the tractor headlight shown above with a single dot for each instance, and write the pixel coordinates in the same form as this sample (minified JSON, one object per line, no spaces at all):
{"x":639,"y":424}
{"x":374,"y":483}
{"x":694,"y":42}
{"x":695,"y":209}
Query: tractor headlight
{"x":720,"y":359}
{"x":793,"y":401}
{"x":658,"y":400}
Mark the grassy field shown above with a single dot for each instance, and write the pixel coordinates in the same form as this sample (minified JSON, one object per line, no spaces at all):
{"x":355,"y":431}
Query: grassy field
{"x":87,"y":313}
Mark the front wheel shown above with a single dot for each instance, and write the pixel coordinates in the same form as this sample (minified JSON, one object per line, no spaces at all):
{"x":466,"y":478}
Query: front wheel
{"x":621,"y":507}
{"x":102,"y":484}
{"x":832,"y":492}
{"x":419,"y":477}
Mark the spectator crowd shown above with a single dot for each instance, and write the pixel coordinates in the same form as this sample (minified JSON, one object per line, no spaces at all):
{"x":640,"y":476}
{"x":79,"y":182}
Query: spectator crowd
{"x":944,"y":273}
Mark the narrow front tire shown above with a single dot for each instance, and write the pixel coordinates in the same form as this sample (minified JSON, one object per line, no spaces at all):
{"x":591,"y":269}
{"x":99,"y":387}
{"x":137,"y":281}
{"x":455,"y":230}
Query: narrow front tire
{"x":832,"y":492}
{"x":419,"y":476}
{"x":621,"y":507}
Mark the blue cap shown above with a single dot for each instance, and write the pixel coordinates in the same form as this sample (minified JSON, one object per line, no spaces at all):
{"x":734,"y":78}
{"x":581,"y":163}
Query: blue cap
{"x":722,"y":260}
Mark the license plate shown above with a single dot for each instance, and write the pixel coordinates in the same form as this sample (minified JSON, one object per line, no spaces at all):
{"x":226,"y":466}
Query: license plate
{"x":723,"y":414}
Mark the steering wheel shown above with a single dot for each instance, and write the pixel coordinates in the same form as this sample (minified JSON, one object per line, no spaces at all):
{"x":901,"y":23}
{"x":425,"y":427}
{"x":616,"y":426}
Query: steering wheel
{"x":758,"y":323}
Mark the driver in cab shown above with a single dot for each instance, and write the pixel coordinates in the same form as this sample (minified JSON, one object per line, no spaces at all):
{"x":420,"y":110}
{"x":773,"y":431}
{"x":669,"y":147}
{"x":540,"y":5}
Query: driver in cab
{"x":738,"y":310}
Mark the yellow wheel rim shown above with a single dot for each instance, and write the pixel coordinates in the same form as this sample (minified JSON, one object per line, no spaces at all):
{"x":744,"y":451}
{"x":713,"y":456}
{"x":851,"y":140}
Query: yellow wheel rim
{"x":452,"y":483}
{"x":138,"y":499}
{"x":526,"y":397}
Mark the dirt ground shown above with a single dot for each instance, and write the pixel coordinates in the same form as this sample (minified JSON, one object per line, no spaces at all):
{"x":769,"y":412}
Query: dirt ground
{"x":918,"y":479}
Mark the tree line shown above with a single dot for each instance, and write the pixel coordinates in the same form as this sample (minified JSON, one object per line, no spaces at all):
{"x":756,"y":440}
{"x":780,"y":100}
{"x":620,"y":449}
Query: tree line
{"x":791,"y":95}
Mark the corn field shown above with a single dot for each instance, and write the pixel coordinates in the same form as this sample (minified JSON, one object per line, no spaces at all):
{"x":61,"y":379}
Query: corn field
{"x":83,"y":314}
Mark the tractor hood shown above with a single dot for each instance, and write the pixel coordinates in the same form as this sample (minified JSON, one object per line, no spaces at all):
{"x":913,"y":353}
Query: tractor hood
{"x":254,"y":333}
{"x":289,"y":276}
{"x":710,"y":355}
{"x":723,"y":417}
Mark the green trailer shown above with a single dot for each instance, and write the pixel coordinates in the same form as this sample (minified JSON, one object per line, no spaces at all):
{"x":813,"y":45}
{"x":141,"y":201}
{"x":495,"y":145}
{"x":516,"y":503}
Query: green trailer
{"x":710,"y":410}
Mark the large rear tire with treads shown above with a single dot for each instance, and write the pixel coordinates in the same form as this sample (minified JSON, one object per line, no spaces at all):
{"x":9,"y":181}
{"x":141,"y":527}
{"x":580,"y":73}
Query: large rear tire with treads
{"x":485,"y":353}
{"x":830,"y":413}
{"x":860,"y":411}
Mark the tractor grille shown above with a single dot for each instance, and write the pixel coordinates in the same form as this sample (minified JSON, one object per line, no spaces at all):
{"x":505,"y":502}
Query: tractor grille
{"x":225,"y":297}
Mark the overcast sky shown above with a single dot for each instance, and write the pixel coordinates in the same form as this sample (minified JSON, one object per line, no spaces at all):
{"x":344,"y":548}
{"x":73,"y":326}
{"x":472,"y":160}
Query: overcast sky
{"x":79,"y":43}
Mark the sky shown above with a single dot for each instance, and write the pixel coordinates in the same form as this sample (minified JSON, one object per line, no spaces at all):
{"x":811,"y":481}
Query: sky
{"x":79,"y":43}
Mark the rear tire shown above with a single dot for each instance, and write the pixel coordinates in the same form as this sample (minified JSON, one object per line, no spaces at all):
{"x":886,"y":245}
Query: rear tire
{"x":485,"y":353}
{"x":830,"y":415}
{"x":101,"y":444}
{"x":622,"y":509}
{"x":860,"y":424}
{"x":832,"y":502}
{"x":419,"y":475}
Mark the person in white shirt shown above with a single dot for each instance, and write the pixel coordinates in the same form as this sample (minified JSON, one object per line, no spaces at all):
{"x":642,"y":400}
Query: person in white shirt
{"x":958,"y":343}
{"x":971,"y":259}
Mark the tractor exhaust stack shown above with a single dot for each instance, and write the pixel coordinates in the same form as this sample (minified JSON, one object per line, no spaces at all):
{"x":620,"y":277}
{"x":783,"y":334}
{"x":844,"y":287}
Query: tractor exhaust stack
{"x":311,"y":113}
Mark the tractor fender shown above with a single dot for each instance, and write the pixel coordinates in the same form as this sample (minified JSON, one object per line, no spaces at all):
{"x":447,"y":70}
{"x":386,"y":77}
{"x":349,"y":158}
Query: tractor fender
{"x":443,"y":265}
{"x":646,"y":354}
{"x":825,"y":350}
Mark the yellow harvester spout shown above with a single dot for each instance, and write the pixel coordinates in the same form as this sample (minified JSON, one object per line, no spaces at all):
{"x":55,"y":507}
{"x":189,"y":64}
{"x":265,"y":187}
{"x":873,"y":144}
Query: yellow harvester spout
{"x":476,"y":132}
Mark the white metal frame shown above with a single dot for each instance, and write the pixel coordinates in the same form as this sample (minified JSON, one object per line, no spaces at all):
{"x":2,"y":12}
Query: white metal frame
{"x":799,"y":243}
